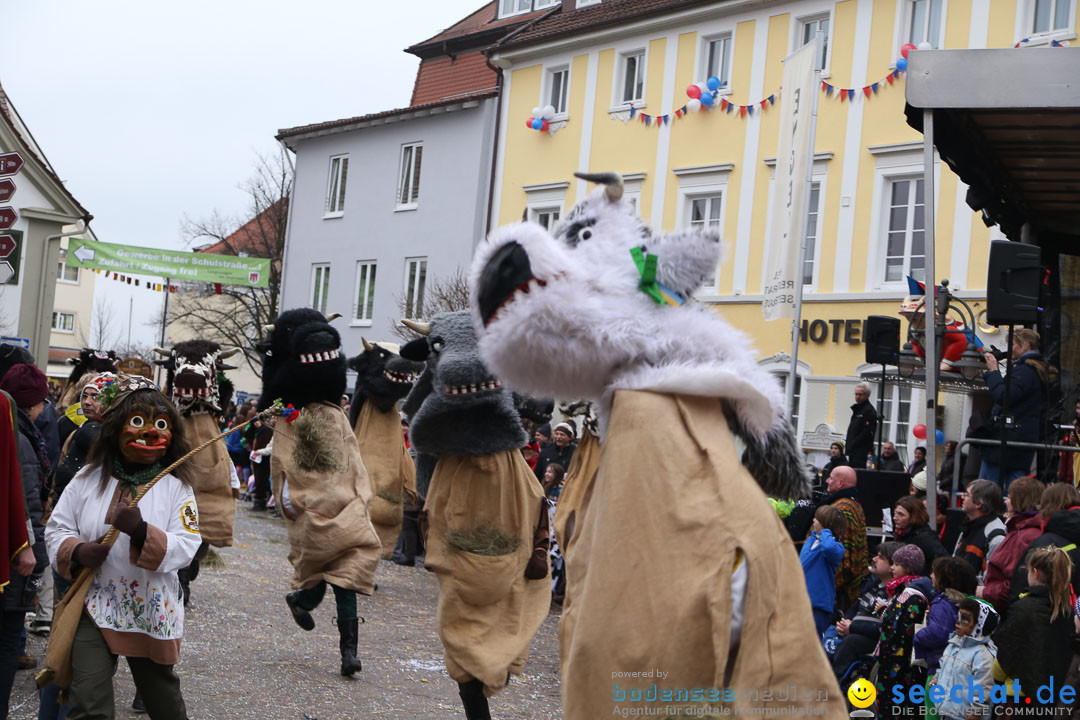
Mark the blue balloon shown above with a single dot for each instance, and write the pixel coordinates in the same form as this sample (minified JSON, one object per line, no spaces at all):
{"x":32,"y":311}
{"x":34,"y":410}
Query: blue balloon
{"x":707,"y":99}
{"x":901,"y":64}
{"x":713,"y":83}
{"x":537,"y":123}
{"x":940,"y":437}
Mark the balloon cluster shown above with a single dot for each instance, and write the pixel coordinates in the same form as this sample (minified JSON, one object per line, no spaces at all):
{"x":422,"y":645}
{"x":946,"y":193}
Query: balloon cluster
{"x":703,"y":93}
{"x":901,"y":62}
{"x":919,"y":431}
{"x":541,"y":118}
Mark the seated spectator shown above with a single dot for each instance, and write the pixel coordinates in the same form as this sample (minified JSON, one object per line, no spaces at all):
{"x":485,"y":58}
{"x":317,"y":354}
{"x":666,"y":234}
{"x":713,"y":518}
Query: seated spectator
{"x":949,"y":520}
{"x":909,"y":596}
{"x":836,"y":459}
{"x":969,"y":657}
{"x":889,"y":459}
{"x":1022,"y":527}
{"x":918,"y":485}
{"x":860,"y":628}
{"x":843,"y":497}
{"x":948,"y":465}
{"x":919,"y":463}
{"x":982,"y":531}
{"x":952,"y":578}
{"x":1060,"y":509}
{"x":911,"y":525}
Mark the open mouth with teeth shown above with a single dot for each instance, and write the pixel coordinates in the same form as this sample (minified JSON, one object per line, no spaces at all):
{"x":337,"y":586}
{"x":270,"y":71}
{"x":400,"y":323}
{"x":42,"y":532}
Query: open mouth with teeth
{"x":192,"y":392}
{"x":141,"y":444}
{"x":507,"y":277}
{"x":397,"y":377}
{"x":323,"y":356}
{"x":492,"y":384}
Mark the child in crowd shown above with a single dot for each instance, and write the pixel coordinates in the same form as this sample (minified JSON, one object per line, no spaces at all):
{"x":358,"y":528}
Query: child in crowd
{"x":554,"y":474}
{"x":947,"y":574}
{"x":909,"y":595}
{"x":969,"y":657}
{"x":820,"y":557}
{"x":1035,"y":641}
{"x":858,"y":631}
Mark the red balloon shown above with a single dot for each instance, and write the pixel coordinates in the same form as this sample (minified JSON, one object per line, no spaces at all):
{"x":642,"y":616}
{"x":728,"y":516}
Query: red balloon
{"x":919,"y":431}
{"x":528,"y":123}
{"x":906,"y":48}
{"x":544,"y":127}
{"x":694,"y":91}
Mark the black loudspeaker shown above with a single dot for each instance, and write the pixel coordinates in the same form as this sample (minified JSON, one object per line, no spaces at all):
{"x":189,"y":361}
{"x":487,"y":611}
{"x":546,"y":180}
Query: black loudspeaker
{"x":1012,"y":283}
{"x":882,"y":340}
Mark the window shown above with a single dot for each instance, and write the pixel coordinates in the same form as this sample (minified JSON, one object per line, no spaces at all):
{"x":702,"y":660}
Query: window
{"x":905,"y":252}
{"x":807,"y":32}
{"x":548,"y":217}
{"x":409,"y":181}
{"x":896,"y":414}
{"x":1050,"y":15}
{"x":365,"y":291}
{"x":415,"y":277}
{"x":796,"y":405}
{"x":514,"y":7}
{"x":718,"y":60}
{"x":706,"y":212}
{"x":320,"y":287}
{"x":335,"y":192}
{"x":633,"y":77}
{"x":558,"y":81}
{"x":813,"y":214}
{"x":925,"y":22}
{"x":64,"y":272}
{"x":63,"y":322}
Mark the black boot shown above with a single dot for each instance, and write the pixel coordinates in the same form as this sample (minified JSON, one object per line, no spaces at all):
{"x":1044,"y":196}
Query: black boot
{"x":348,"y":630}
{"x":137,"y":704}
{"x":301,"y":616}
{"x":472,"y":697}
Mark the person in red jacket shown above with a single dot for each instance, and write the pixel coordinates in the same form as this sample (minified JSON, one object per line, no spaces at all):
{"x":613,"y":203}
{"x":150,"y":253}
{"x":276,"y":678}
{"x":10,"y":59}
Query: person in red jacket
{"x":1023,"y":526}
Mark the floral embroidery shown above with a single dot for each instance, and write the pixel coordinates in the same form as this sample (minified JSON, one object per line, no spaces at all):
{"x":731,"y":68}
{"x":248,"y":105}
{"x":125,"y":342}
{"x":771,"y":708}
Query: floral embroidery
{"x":130,"y":607}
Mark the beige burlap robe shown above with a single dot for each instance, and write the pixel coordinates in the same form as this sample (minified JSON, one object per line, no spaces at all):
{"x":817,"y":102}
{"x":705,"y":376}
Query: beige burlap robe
{"x":211,"y":481}
{"x":332,"y":537}
{"x":488,"y":612}
{"x":390,"y":470}
{"x":649,"y":585}
{"x":577,"y":491}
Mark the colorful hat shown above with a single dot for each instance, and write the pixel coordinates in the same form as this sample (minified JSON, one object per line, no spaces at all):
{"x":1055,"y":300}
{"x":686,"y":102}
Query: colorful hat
{"x":115,"y":389}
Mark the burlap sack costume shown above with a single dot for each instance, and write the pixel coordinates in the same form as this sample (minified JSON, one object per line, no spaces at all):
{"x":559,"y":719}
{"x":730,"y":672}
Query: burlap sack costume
{"x":671,"y":606}
{"x":332,"y":538}
{"x":576,"y":492}
{"x":212,"y":481}
{"x":488,"y":612}
{"x":390,"y":470}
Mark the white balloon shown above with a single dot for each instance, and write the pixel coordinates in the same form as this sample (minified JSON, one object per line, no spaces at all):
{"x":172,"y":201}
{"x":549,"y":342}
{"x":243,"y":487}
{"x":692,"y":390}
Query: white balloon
{"x":536,"y":111}
{"x":694,"y":105}
{"x":704,"y":87}
{"x":548,"y":112}
{"x":924,"y":45}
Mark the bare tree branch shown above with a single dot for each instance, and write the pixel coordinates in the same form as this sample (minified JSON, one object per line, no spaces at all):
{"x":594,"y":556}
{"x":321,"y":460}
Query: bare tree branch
{"x":236,"y":314}
{"x":442,"y":295}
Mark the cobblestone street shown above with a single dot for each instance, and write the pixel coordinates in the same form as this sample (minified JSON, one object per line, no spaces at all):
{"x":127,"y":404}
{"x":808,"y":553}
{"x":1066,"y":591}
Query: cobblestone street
{"x":243,"y":657}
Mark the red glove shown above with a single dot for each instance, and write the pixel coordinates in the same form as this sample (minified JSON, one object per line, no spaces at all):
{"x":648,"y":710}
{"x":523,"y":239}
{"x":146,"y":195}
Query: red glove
{"x":91,"y":554}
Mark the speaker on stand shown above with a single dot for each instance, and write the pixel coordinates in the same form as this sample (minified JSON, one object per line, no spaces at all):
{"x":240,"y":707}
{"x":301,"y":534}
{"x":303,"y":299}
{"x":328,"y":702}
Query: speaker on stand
{"x":882,"y":338}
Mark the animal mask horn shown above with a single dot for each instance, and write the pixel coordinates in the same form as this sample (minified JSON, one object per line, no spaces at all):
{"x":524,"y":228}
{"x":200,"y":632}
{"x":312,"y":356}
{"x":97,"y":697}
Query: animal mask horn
{"x":421,"y":327}
{"x":268,"y":328}
{"x":162,"y":352}
{"x":612,"y":182}
{"x":229,"y":353}
{"x":332,"y":317}
{"x":368,"y":347}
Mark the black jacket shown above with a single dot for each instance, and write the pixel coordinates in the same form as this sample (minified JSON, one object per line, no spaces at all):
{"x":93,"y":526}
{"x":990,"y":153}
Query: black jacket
{"x":1062,"y":530}
{"x":552,"y":453}
{"x":893,"y":463}
{"x":1026,"y":397}
{"x":860,"y":433}
{"x":834,"y":462}
{"x":1030,"y":646}
{"x":865,"y":618}
{"x":977,"y":537}
{"x":927,"y":541}
{"x":72,"y":461}
{"x":916,"y":467}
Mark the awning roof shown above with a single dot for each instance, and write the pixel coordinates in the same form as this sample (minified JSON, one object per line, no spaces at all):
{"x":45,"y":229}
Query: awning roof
{"x":1007,"y":121}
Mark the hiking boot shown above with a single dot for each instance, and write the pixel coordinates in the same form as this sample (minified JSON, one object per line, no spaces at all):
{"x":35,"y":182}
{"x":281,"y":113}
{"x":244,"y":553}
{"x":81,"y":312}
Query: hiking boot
{"x":259,"y":505}
{"x":472,"y":698}
{"x":301,"y":616}
{"x":137,"y":704}
{"x":348,"y":631}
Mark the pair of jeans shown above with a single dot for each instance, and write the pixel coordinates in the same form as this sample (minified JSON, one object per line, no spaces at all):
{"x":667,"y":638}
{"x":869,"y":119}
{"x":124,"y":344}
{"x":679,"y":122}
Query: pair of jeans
{"x":992,"y":472}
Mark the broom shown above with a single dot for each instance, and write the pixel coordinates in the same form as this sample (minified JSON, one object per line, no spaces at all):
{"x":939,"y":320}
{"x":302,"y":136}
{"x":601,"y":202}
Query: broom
{"x":69,"y":610}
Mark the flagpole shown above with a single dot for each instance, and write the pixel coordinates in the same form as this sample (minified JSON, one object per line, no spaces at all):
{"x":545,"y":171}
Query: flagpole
{"x":796,"y":322}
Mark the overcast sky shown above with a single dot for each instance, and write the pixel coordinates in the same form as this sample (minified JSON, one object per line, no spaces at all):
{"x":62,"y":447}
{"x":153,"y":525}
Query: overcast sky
{"x":150,"y":112}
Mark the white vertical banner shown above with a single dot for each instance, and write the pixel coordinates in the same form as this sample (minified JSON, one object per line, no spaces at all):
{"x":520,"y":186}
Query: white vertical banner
{"x":782,"y":269}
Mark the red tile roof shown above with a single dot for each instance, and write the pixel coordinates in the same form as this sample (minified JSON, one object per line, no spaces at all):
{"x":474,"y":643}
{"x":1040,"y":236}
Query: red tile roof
{"x":9,"y":114}
{"x":332,"y":124}
{"x":251,"y":237}
{"x":607,"y":13}
{"x":447,"y":77}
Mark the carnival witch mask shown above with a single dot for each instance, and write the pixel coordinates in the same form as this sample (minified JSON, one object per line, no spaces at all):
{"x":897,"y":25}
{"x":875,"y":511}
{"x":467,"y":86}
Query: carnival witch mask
{"x":146,"y":435}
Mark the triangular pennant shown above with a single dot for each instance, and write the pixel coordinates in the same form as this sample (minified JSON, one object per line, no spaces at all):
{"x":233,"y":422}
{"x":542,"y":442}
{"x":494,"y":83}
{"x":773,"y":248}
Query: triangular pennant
{"x":633,"y":110}
{"x":896,"y":73}
{"x":824,"y":86}
{"x":750,"y":110}
{"x":866,"y":91}
{"x":828,"y":89}
{"x":723,"y":103}
{"x":730,"y":107}
{"x":764,"y":103}
{"x":742,"y":111}
{"x":874,"y":87}
{"x":772,"y":99}
{"x":843,"y":94}
{"x":851,"y":94}
{"x":889,"y":78}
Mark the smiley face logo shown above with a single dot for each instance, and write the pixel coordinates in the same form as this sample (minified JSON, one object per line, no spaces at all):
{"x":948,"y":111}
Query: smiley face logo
{"x":862,"y":693}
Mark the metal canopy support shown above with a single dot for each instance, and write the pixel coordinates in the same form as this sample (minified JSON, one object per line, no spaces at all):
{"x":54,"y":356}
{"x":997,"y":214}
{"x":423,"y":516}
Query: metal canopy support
{"x":931,"y":309}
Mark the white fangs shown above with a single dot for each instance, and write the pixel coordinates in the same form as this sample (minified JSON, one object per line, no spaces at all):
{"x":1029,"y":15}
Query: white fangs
{"x":469,"y":389}
{"x":308,"y":358}
{"x":399,"y":377}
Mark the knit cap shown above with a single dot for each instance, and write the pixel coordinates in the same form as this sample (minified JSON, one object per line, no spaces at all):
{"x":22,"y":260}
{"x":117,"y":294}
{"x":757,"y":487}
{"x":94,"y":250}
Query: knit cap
{"x":25,"y":384}
{"x":919,"y":480}
{"x":910,"y":557}
{"x":566,"y":428}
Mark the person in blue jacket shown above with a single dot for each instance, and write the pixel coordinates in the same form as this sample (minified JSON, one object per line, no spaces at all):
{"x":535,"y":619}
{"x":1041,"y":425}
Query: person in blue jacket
{"x":820,"y":557}
{"x":948,"y":574}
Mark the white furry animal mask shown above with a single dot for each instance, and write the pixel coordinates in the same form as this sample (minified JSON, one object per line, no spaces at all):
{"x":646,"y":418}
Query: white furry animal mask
{"x":578,"y":314}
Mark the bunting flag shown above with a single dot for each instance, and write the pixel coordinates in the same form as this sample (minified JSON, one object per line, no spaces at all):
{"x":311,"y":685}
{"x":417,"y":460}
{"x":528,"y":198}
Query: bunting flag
{"x":848,"y":94}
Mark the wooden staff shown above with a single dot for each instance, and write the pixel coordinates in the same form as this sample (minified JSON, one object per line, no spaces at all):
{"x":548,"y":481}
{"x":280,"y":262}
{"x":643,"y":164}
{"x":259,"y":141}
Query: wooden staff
{"x":69,"y":610}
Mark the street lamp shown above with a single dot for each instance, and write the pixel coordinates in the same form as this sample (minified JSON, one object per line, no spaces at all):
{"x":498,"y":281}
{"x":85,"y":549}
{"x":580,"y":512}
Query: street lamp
{"x":970,"y":364}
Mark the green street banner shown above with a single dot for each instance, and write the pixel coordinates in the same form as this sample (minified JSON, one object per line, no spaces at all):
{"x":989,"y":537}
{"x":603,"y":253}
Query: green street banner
{"x":175,"y":264}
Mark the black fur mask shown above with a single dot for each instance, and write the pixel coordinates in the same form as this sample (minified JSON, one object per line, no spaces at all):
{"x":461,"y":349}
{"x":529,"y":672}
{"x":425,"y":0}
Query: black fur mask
{"x":382,"y":377}
{"x":302,"y":360}
{"x":91,"y":361}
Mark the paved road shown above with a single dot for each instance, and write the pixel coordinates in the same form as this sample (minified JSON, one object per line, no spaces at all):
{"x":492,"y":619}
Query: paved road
{"x":243,"y":657}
